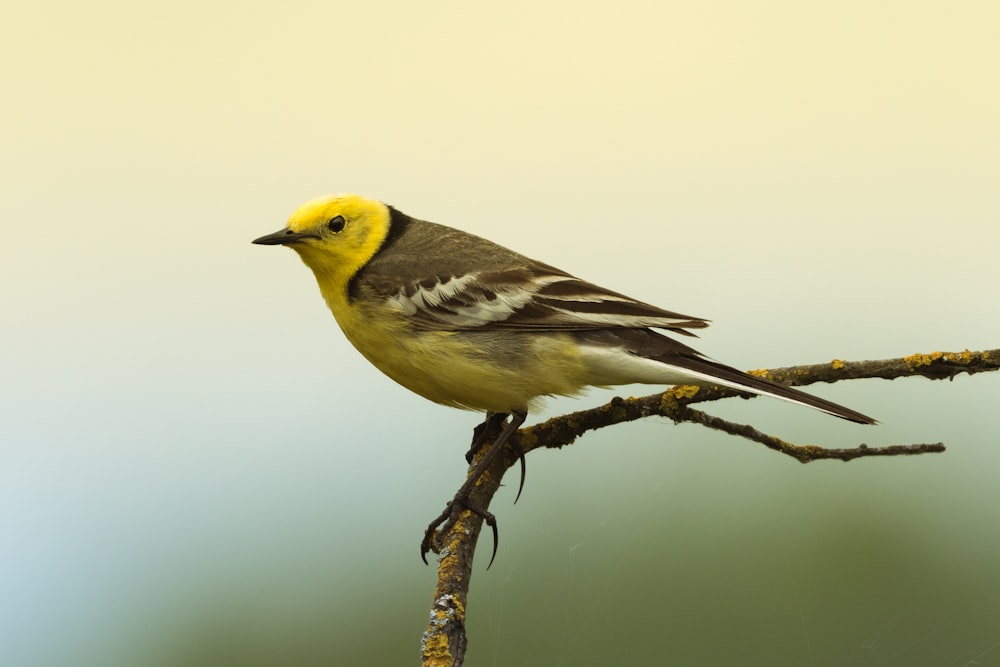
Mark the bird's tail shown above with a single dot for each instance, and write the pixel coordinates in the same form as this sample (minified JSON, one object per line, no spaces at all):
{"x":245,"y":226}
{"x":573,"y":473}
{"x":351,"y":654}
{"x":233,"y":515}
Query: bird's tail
{"x":643,"y":355}
{"x":716,"y":373}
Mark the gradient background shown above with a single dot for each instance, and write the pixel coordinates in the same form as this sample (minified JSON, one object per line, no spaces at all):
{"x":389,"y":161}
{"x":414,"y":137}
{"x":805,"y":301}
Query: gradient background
{"x":197,"y":469}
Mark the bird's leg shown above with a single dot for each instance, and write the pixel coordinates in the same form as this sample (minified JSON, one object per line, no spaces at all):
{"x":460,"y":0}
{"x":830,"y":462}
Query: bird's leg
{"x":493,"y":424}
{"x":481,"y":433}
{"x":490,"y":428}
{"x":461,"y":500}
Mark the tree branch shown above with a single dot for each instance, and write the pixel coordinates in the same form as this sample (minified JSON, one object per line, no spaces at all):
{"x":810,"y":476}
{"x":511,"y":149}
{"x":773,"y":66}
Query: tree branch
{"x":444,"y":642}
{"x":805,"y":453}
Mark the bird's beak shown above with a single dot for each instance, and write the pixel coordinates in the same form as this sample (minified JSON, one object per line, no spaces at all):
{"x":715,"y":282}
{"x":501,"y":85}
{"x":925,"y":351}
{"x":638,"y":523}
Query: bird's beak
{"x":283,"y":237}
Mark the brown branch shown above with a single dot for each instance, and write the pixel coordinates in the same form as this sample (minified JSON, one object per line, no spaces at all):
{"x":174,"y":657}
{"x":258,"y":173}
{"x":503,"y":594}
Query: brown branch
{"x":444,"y":642}
{"x":806,"y":453}
{"x":563,"y":430}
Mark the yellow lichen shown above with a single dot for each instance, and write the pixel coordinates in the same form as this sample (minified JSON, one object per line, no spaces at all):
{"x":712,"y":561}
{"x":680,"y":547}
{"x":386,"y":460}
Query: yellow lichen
{"x":918,"y":360}
{"x":436,"y":650}
{"x":669,"y":398}
{"x":963,"y":357}
{"x":837,"y":364}
{"x":760,"y":372}
{"x":683,"y":391}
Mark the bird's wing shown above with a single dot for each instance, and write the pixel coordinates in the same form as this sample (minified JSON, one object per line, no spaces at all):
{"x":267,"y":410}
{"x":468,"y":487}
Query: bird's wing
{"x":442,"y":278}
{"x":532,"y":296}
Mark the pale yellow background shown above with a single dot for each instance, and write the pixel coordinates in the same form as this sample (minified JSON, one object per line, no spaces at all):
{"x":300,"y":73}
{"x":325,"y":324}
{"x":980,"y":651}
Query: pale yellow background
{"x":197,"y":469}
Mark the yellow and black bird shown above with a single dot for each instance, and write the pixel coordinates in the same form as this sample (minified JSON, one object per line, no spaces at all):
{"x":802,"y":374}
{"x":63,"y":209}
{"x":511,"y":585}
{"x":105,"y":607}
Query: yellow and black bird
{"x":468,"y":323}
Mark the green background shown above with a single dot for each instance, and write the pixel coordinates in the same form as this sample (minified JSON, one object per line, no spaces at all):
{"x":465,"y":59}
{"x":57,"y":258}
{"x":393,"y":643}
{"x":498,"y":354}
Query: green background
{"x":197,"y":469}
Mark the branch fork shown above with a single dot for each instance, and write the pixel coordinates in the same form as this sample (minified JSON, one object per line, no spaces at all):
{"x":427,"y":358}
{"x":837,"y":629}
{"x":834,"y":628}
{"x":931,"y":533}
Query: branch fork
{"x":445,"y":643}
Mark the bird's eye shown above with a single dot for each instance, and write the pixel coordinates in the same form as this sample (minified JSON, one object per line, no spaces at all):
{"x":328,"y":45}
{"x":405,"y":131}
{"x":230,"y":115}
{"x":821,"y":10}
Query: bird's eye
{"x":336,"y":224}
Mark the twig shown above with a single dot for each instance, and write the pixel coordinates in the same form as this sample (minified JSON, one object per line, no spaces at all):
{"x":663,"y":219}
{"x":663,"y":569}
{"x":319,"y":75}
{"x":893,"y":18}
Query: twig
{"x":806,"y":453}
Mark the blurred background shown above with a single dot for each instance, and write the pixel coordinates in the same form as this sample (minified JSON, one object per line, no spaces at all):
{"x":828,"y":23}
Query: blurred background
{"x":196,"y":469}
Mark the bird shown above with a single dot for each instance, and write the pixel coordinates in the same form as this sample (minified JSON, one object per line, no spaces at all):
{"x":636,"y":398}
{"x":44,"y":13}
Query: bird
{"x":468,"y":323}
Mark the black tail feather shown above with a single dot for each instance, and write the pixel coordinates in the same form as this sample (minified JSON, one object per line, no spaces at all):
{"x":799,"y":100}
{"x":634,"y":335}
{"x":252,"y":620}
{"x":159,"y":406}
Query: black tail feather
{"x":652,"y":345}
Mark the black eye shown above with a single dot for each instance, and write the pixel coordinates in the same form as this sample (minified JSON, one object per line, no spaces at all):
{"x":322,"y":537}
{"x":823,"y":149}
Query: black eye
{"x":336,"y":225}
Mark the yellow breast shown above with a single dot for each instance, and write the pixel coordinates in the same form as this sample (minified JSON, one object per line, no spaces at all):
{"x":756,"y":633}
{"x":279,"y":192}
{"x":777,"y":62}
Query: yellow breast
{"x":500,"y":371}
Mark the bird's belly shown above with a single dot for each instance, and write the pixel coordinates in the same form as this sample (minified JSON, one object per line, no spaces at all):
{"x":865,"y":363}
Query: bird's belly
{"x":497,"y":371}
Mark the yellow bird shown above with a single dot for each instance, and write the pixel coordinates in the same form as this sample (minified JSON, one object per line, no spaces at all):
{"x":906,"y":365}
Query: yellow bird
{"x":468,"y":323}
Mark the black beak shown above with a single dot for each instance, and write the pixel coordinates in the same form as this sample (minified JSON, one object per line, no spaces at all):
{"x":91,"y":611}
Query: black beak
{"x":283,"y":237}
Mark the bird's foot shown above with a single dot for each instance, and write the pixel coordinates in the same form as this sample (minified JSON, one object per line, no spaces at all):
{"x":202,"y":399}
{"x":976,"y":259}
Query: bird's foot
{"x":497,"y":429}
{"x":489,"y":431}
{"x":446,"y":521}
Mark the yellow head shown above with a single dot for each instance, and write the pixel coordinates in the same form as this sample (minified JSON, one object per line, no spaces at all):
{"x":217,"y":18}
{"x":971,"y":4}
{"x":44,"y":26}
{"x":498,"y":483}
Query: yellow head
{"x":335,"y":235}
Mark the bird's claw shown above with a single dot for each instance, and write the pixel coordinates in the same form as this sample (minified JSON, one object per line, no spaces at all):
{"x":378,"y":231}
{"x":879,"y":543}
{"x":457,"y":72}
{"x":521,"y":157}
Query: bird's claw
{"x":447,"y":520}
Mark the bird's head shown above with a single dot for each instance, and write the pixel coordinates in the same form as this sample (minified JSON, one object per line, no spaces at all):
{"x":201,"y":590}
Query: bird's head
{"x":335,"y":235}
